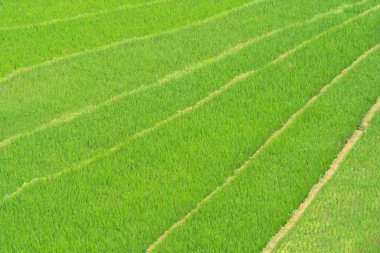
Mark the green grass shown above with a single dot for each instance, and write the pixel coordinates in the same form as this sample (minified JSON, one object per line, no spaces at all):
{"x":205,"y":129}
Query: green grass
{"x":259,"y":202}
{"x":255,"y":206}
{"x":91,"y":79}
{"x":24,"y":12}
{"x":84,"y":137}
{"x":345,"y":214}
{"x":123,"y":199}
{"x":67,"y":38}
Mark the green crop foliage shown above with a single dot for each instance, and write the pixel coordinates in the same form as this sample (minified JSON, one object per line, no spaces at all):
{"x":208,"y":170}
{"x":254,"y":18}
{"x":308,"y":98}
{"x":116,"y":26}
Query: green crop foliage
{"x":344,"y":217}
{"x":25,"y":47}
{"x":261,"y":199}
{"x":107,"y":74}
{"x":345,"y":214}
{"x":15,"y":15}
{"x":259,"y":202}
{"x":75,"y":143}
{"x":107,"y":145}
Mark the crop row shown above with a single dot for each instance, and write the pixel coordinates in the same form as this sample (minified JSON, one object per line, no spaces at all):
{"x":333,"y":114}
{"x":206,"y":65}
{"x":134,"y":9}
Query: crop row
{"x":102,"y":74}
{"x":25,"y":47}
{"x":45,"y":95}
{"x":56,"y":148}
{"x":259,"y":201}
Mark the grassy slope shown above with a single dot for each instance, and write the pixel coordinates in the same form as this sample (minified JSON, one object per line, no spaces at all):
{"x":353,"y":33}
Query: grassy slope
{"x":126,"y":201}
{"x":345,"y":215}
{"x":244,"y":216}
{"x":26,"y":101}
{"x":25,"y":47}
{"x":39,"y":155}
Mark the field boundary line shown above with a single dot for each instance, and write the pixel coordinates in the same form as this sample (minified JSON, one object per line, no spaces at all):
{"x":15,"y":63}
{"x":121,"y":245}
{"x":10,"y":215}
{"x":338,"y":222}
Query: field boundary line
{"x":58,"y":59}
{"x":81,"y":165}
{"x":245,"y":165}
{"x":326,"y":178}
{"x":82,"y":15}
{"x":68,"y":117}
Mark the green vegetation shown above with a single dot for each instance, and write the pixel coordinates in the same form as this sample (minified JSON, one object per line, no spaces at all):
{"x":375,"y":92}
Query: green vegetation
{"x":92,"y":78}
{"x":88,"y":166}
{"x":74,"y":143}
{"x":344,"y":216}
{"x":14,"y":15}
{"x":255,"y":206}
{"x":67,"y":38}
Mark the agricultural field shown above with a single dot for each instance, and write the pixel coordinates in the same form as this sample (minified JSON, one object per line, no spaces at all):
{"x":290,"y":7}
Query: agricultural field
{"x":190,"y":126}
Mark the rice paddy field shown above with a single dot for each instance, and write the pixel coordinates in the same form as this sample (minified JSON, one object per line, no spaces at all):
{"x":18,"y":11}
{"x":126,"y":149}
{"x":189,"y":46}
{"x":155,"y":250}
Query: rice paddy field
{"x":190,"y":126}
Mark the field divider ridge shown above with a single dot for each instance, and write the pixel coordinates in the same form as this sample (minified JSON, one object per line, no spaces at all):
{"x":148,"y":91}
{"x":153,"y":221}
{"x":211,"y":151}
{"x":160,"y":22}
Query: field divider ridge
{"x":55,"y":60}
{"x":245,"y":165}
{"x":81,"y":165}
{"x":82,"y":15}
{"x":325,"y":179}
{"x":168,"y":78}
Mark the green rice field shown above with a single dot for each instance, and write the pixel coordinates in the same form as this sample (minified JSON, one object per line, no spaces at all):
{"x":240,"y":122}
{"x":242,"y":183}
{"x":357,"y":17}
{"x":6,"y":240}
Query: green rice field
{"x":190,"y":126}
